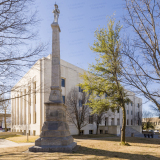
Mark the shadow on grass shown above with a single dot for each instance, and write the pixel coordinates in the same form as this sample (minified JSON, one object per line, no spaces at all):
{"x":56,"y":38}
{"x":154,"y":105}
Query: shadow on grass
{"x":133,"y":140}
{"x":82,"y":153}
{"x":112,"y":154}
{"x":128,"y":139}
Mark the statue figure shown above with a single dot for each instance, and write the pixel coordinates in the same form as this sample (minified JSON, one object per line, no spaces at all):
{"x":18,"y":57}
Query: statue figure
{"x":56,"y":12}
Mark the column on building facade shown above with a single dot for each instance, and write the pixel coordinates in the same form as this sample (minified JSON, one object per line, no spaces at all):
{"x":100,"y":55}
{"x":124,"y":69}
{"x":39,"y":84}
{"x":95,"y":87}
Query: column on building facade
{"x":109,"y":121}
{"x":24,"y":107}
{"x":20,"y":112}
{"x":29,"y":104}
{"x":34,"y":102}
{"x":17,"y":109}
{"x":27,"y":109}
{"x":13,"y":116}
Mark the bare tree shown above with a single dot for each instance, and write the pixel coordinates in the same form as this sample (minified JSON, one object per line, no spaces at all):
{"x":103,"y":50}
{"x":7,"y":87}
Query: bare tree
{"x":98,"y":119}
{"x":17,"y":33}
{"x":5,"y":110}
{"x":77,"y":110}
{"x":142,"y":53}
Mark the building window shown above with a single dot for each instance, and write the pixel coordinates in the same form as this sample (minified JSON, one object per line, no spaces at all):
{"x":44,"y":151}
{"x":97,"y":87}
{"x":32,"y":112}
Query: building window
{"x":80,"y":89}
{"x":127,"y":122}
{"x":131,"y":112}
{"x":63,"y":97}
{"x":34,"y":133}
{"x":127,"y":111}
{"x":138,"y":114}
{"x":101,"y":131}
{"x":35,"y":92}
{"x":106,"y":121}
{"x":112,"y":121}
{"x":81,"y":132}
{"x":63,"y":82}
{"x":138,"y":105}
{"x":80,"y":103}
{"x":91,"y":119}
{"x":90,"y":131}
{"x":131,"y":103}
{"x":118,"y":110}
{"x":106,"y":131}
{"x":127,"y":103}
{"x":118,"y":123}
{"x":131,"y":122}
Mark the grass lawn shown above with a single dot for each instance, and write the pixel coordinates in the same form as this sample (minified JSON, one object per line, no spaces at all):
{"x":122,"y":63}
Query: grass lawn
{"x":17,"y":138}
{"x":93,"y":136}
{"x":105,"y":148}
{"x":23,"y":139}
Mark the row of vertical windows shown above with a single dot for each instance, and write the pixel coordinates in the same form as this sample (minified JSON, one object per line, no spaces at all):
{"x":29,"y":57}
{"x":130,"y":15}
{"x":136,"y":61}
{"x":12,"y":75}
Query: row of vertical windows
{"x":132,"y":104}
{"x":80,"y":103}
{"x":63,"y":98}
{"x":80,"y":89}
{"x":63,"y":82}
{"x":128,"y":112}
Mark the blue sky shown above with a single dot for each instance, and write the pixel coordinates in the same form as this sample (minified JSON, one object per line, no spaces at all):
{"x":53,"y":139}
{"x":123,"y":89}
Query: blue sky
{"x":78,"y":20}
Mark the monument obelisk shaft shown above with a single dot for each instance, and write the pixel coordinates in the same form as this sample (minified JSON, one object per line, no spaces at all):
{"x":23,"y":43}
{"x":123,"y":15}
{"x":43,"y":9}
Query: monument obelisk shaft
{"x":55,"y":95}
{"x":55,"y":135}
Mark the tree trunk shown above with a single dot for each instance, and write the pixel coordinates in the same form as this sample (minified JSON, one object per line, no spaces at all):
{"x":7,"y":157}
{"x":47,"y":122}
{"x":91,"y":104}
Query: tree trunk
{"x":79,"y":133}
{"x":5,"y":120}
{"x":97,"y":128}
{"x":123,"y":126}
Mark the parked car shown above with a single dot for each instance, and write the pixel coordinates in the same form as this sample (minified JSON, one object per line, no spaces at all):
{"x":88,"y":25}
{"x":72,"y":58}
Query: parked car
{"x":149,"y":133}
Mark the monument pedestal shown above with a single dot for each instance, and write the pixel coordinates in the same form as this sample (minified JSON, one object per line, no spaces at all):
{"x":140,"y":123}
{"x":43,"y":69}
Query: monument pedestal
{"x":55,"y":135}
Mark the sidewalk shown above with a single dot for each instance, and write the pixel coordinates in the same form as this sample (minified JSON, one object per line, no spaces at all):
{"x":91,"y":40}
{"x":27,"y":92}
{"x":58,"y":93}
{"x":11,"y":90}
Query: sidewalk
{"x":6,"y":143}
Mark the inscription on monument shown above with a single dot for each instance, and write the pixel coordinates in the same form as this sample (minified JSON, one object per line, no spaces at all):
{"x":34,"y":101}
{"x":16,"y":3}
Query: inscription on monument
{"x":53,"y":126}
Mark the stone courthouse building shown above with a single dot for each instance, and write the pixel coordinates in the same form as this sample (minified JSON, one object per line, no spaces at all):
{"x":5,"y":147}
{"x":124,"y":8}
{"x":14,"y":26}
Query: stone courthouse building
{"x":32,"y":91}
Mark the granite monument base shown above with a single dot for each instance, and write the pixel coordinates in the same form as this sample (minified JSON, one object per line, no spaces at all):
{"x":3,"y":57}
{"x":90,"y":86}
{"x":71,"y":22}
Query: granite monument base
{"x":53,"y":148}
{"x":55,"y":135}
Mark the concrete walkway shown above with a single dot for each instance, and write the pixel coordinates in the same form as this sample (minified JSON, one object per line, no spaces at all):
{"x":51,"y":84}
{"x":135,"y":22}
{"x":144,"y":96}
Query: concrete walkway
{"x":6,"y":143}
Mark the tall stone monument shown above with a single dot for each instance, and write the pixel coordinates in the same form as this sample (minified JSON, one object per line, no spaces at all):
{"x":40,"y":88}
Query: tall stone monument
{"x":55,"y":135}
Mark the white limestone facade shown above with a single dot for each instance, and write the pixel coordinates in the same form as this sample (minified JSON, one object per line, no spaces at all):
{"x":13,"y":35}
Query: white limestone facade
{"x":32,"y":91}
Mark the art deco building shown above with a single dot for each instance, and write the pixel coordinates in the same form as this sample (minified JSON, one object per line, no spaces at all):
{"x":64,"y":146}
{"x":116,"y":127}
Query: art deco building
{"x":32,"y":91}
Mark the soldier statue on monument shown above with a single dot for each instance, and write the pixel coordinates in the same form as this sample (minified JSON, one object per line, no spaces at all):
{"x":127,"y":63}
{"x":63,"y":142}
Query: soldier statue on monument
{"x":56,"y":12}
